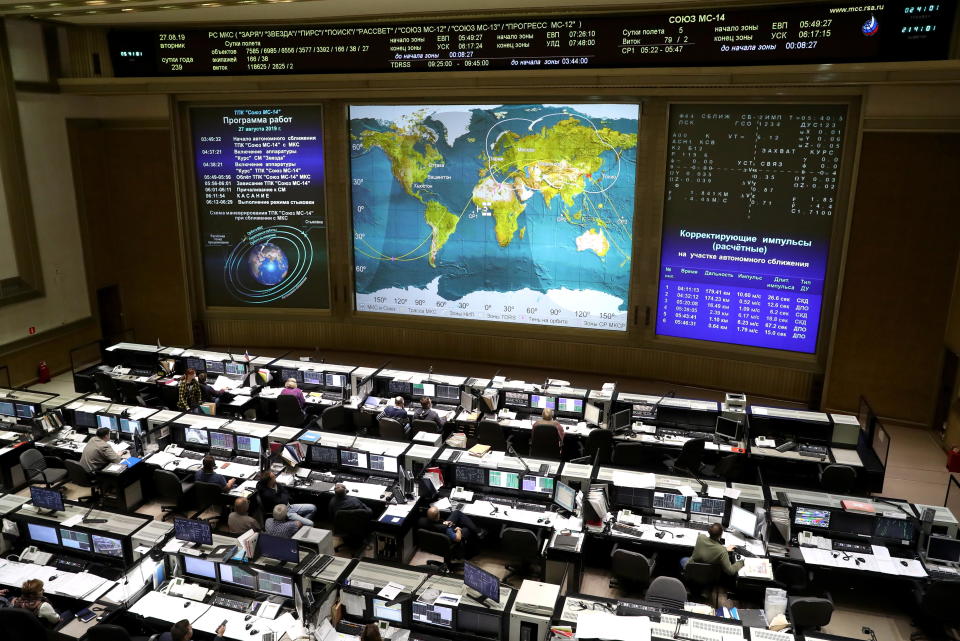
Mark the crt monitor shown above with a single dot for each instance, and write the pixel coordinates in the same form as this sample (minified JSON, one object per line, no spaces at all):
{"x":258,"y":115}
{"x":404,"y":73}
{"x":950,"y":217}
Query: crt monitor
{"x":215,"y":367}
{"x":488,"y":585}
{"x":728,"y":428}
{"x":383,"y":463}
{"x":565,"y":497}
{"x":811,"y":517}
{"x":429,"y":614}
{"x":109,"y":422}
{"x":278,"y":584}
{"x":470,"y":475}
{"x":7,"y":409}
{"x":248,"y":444}
{"x":235,"y":575}
{"x":324,"y":455}
{"x":669,"y":501}
{"x":570,"y":405}
{"x":24,"y":410}
{"x":708,"y":506}
{"x":505,"y":480}
{"x":743,"y":520}
{"x":353,"y":458}
{"x":539,"y":484}
{"x":944,"y":549}
{"x":195,"y":436}
{"x":383,"y":611}
{"x":75,"y":540}
{"x":193,"y":531}
{"x":47,"y":499}
{"x":199,"y":567}
{"x":424,"y":389}
{"x":542,"y":402}
{"x":107,"y":545}
{"x":277,"y":547}
{"x":42,"y":534}
{"x":516,"y":399}
{"x":221,"y":440}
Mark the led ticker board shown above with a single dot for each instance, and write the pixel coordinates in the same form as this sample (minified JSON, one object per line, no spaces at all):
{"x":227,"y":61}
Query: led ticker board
{"x":781,"y":34}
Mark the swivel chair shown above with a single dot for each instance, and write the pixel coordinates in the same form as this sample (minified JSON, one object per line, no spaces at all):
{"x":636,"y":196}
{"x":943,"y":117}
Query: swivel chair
{"x":334,"y":419}
{"x":838,"y":479}
{"x":523,"y":546}
{"x":545,"y":442}
{"x":78,"y":475}
{"x":289,"y":413}
{"x":440,"y":544}
{"x":171,"y":489}
{"x":19,"y":624}
{"x":809,"y":613}
{"x":704,"y":576}
{"x":631,"y":570}
{"x":392,"y":429}
{"x":690,"y":459}
{"x":600,"y":441}
{"x":107,"y":632}
{"x":36,"y":470}
{"x":667,"y":592}
{"x":491,"y":433}
{"x":423,"y":425}
{"x":353,"y":528}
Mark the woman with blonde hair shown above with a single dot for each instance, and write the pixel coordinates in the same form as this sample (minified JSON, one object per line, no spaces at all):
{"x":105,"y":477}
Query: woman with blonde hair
{"x":31,"y":598}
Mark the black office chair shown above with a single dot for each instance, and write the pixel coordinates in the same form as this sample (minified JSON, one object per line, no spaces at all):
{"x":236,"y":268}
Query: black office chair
{"x":107,"y":632}
{"x":422,"y":425}
{"x":690,"y":459}
{"x":19,"y":624}
{"x":207,"y":495}
{"x":171,"y":489}
{"x":106,"y":386}
{"x":704,"y":576}
{"x":631,"y":570}
{"x":838,"y":479}
{"x":792,"y":577}
{"x":667,"y":592}
{"x":169,"y":396}
{"x":935,"y":606}
{"x":130,"y":392}
{"x":289,"y":413}
{"x":729,"y":468}
{"x":810,"y":613}
{"x":392,"y":429}
{"x":491,"y":433}
{"x":439,"y":543}
{"x":522,"y":546}
{"x":632,"y":456}
{"x":39,"y":468}
{"x":78,"y":475}
{"x":334,"y":419}
{"x":353,"y":528}
{"x":545,"y":442}
{"x":600,"y":441}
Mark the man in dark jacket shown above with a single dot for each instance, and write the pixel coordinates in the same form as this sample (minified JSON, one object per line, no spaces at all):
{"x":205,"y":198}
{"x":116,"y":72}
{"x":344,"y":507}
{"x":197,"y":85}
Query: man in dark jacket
{"x":342,"y":500}
{"x":183,"y":631}
{"x":271,"y":493}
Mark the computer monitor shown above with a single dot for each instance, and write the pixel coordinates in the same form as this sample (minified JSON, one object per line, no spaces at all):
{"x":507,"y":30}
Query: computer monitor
{"x":199,"y":567}
{"x":215,"y":367}
{"x":621,"y":420}
{"x":669,"y":501}
{"x":728,"y":428}
{"x":235,"y":575}
{"x":277,"y":547}
{"x":46,"y":499}
{"x":543,"y":402}
{"x":353,"y":458}
{"x":107,"y":545}
{"x":645,"y":411}
{"x":470,"y":475}
{"x":516,"y":399}
{"x":539,"y":484}
{"x":75,"y":540}
{"x":84,"y":419}
{"x":448,"y":392}
{"x":109,"y":422}
{"x":338,"y":381}
{"x":324,"y":455}
{"x":275,"y":584}
{"x":632,"y":497}
{"x":313,"y":378}
{"x":385,"y":612}
{"x":565,"y":497}
{"x":742,"y":520}
{"x":707,"y":506}
{"x":488,"y":585}
{"x":570,"y":405}
{"x":130,"y":426}
{"x":383,"y":463}
{"x":248,"y":444}
{"x":591,"y":414}
{"x":468,"y":401}
{"x":423,"y":389}
{"x":195,"y":363}
{"x":43,"y":534}
{"x":401,"y":388}
{"x":506,"y":480}
{"x":221,"y":440}
{"x":195,"y":436}
{"x":894,"y":529}
{"x":485,"y":624}
{"x":7,"y":409}
{"x":23,"y":410}
{"x":943,"y":548}
{"x":430,"y":614}
{"x":235,"y":369}
{"x":295,"y":374}
{"x":193,"y":531}
{"x":810,"y":517}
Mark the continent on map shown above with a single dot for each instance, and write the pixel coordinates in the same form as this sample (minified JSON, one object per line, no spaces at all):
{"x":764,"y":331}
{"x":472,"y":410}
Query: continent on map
{"x":595,"y":241}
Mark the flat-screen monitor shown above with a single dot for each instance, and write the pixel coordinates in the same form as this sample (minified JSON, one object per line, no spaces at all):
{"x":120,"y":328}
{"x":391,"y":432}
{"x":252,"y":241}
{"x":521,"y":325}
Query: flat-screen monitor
{"x":42,"y":534}
{"x":383,"y":463}
{"x":352,"y":458}
{"x":221,"y":440}
{"x":235,"y":575}
{"x":565,"y":496}
{"x":448,"y":392}
{"x":506,"y":480}
{"x":944,"y":549}
{"x":621,"y":420}
{"x":199,"y":567}
{"x":75,"y":540}
{"x":401,"y":388}
{"x":728,"y":428}
{"x":669,"y":501}
{"x":235,"y":369}
{"x":482,"y":581}
{"x":130,"y":426}
{"x":894,"y":529}
{"x":539,"y":484}
{"x":323,"y":454}
{"x":107,"y":545}
{"x":277,"y":547}
{"x":312,"y":378}
{"x":193,"y":531}
{"x":810,"y":517}
{"x":591,"y":414}
{"x":570,"y":405}
{"x":109,"y":422}
{"x":195,"y":436}
{"x":275,"y":584}
{"x":287,"y":374}
{"x":429,"y":614}
{"x":195,"y":363}
{"x":384,"y":612}
{"x":543,"y":402}
{"x":335,"y":380}
{"x":485,"y":624}
{"x":470,"y":475}
{"x":7,"y":409}
{"x":23,"y":410}
{"x":708,"y":506}
{"x":215,"y":367}
{"x":516,"y":399}
{"x":84,"y":419}
{"x":742,"y":520}
{"x":633,"y":497}
{"x":248,"y":444}
{"x":46,"y":499}
{"x":423,"y":389}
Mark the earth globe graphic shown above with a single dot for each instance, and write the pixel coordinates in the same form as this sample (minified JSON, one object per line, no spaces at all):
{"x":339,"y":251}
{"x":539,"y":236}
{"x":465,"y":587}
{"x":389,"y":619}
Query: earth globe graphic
{"x":267,"y":263}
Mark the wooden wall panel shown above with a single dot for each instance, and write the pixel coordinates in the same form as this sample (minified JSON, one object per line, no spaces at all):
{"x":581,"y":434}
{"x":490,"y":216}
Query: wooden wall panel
{"x":22,"y":357}
{"x":900,"y":269}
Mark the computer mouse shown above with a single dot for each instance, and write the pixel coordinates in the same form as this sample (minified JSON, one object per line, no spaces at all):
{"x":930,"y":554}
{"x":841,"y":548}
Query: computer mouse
{"x":546,"y":522}
{"x":904,"y":563}
{"x":247,"y":618}
{"x":254,"y":631}
{"x":660,"y":535}
{"x":52,"y":578}
{"x":248,"y":626}
{"x":186,"y":604}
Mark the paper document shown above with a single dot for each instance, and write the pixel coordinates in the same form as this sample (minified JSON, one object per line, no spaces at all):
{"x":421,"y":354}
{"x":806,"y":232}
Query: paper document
{"x":390,"y":591}
{"x":715,"y":492}
{"x":731,"y":493}
{"x":442,"y":504}
{"x":601,"y":625}
{"x":645,"y":481}
{"x":353,"y":604}
{"x":73,"y":520}
{"x":448,"y":599}
{"x":686,"y":490}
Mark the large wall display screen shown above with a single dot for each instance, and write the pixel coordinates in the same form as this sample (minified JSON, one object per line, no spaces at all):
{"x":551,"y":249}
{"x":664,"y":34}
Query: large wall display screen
{"x":512,"y":213}
{"x":748,"y":215}
{"x":259,"y":173}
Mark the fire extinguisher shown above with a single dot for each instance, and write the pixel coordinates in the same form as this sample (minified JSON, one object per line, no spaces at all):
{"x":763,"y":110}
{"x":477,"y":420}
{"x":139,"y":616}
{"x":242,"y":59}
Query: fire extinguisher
{"x":43,"y":373}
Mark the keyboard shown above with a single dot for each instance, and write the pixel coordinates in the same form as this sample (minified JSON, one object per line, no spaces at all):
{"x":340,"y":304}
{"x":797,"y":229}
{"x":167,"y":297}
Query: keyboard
{"x":351,"y":478}
{"x":351,"y":629}
{"x":500,"y":500}
{"x":190,"y":454}
{"x":630,"y":609}
{"x":246,"y":460}
{"x":379,"y":480}
{"x":623,"y":528}
{"x":694,"y":525}
{"x":684,"y":434}
{"x":531,"y":507}
{"x":65,"y":564}
{"x":235,"y":603}
{"x":222,"y":455}
{"x":332,"y":397}
{"x":567,"y":421}
{"x":744,"y":552}
{"x":847,"y":546}
{"x":668,"y":523}
{"x":325,"y":560}
{"x":322,"y":476}
{"x":444,"y":408}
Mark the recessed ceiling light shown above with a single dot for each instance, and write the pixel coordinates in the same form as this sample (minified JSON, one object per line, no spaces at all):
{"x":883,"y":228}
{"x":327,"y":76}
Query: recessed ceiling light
{"x":95,"y":2}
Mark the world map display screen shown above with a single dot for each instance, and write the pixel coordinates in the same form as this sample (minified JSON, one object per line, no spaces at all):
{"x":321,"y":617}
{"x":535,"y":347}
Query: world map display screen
{"x":260,"y":197}
{"x":508,"y":213}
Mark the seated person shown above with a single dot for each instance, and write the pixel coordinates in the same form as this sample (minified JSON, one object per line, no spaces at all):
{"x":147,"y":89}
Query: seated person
{"x":396,"y":412}
{"x":272,"y":494}
{"x":371,"y":632}
{"x":459,"y":527}
{"x":98,"y":453}
{"x":183,"y":631}
{"x":547,"y":419}
{"x":239,"y":521}
{"x":280,"y":525}
{"x":209,"y":474}
{"x":710,"y":549}
{"x":341,"y":500}
{"x":208,"y":393}
{"x":290,"y":389}
{"x":427,"y":413}
{"x":31,"y":598}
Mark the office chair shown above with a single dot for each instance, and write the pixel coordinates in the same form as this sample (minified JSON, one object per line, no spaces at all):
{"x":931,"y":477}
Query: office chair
{"x":690,"y":459}
{"x":838,"y":479}
{"x":936,"y":606}
{"x":106,"y":386}
{"x":523,"y":546}
{"x":19,"y":624}
{"x":705,"y":576}
{"x":170,"y":488}
{"x":792,"y":577}
{"x":631,"y":570}
{"x":667,"y":592}
{"x":392,"y":429}
{"x":422,"y":425}
{"x":129,"y":392}
{"x":169,"y":396}
{"x":78,"y":475}
{"x":632,"y":455}
{"x":353,"y":528}
{"x":490,"y":433}
{"x":207,"y":495}
{"x":601,"y":441}
{"x":439,"y":543}
{"x":809,"y":613}
{"x":107,"y":632}
{"x":545,"y":442}
{"x":36,"y":468}
{"x":289,"y":413}
{"x":334,"y":419}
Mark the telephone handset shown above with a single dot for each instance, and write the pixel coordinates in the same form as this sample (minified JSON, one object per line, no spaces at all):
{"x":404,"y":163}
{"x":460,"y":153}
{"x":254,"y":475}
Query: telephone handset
{"x":173,"y":449}
{"x":33,"y":555}
{"x":809,"y":539}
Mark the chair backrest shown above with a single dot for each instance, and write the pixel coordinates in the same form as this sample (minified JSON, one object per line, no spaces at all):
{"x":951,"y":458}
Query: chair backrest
{"x":169,"y":396}
{"x":208,"y":494}
{"x":351,"y":522}
{"x":106,"y":386}
{"x":77,"y":473}
{"x":520,"y":543}
{"x":423,"y":425}
{"x":668,"y":592}
{"x":289,"y":413}
{"x":435,"y":543}
{"x":392,"y":429}
{"x":334,"y":418}
{"x":19,"y":624}
{"x":601,"y":441}
{"x":837,"y":478}
{"x":631,"y":566}
{"x":691,"y":456}
{"x":792,"y":576}
{"x":490,"y":433}
{"x":167,"y":485}
{"x":939,"y":601}
{"x":731,"y":467}
{"x":705,"y":574}
{"x":810,"y":612}
{"x":107,"y":632}
{"x":33,"y":463}
{"x":545,"y":442}
{"x":631,"y":454}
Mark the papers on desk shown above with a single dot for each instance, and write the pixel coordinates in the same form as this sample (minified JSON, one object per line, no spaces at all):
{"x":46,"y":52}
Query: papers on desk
{"x":686,"y":490}
{"x":390,"y":591}
{"x":757,"y":568}
{"x":73,"y":520}
{"x":644,"y":481}
{"x":224,"y":382}
{"x":601,"y":625}
{"x":353,"y":604}
{"x":443,"y":504}
{"x":157,"y":605}
{"x":869,"y":562}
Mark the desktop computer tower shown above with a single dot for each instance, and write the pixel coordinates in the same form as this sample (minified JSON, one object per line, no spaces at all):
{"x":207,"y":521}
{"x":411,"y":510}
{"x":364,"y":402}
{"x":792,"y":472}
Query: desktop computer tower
{"x":532,"y":609}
